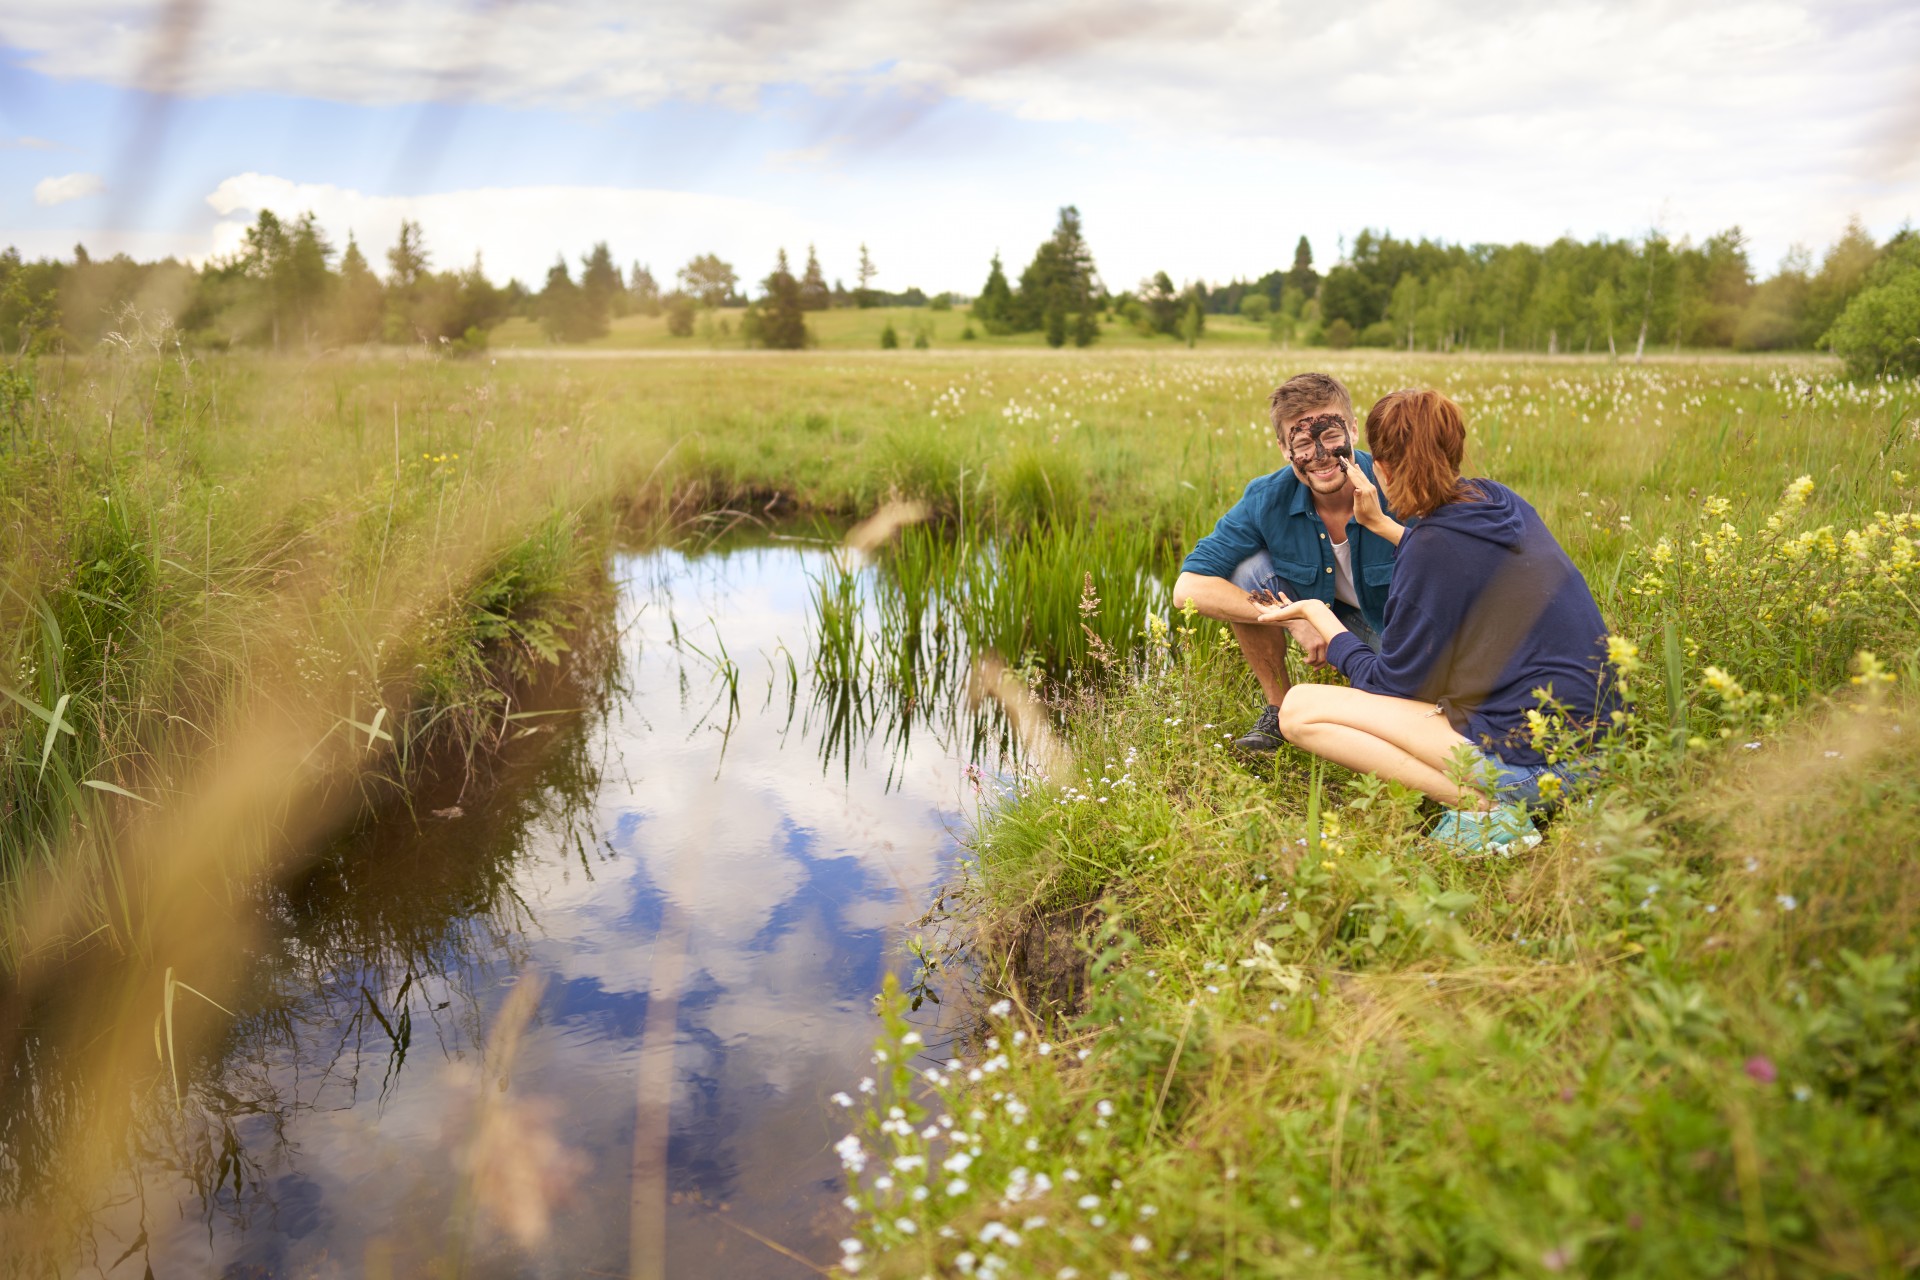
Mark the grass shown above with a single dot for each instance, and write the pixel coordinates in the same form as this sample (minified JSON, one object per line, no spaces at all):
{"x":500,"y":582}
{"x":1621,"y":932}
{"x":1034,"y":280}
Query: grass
{"x":1676,"y":1039}
{"x":854,"y":329}
{"x":246,"y":598}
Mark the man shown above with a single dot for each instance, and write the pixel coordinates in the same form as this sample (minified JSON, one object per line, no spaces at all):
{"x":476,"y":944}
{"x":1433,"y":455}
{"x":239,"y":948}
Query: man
{"x":1294,"y":533}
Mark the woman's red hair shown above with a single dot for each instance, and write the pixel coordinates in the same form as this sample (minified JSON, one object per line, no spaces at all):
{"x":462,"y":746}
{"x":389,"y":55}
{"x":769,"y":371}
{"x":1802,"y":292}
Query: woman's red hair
{"x":1421,"y":437}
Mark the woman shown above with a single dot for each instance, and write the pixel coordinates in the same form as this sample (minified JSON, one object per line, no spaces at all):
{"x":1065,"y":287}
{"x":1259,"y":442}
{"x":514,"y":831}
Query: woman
{"x":1486,"y":612}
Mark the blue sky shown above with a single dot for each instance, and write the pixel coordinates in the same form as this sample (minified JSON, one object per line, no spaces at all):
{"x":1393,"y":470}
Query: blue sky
{"x":1200,"y":138}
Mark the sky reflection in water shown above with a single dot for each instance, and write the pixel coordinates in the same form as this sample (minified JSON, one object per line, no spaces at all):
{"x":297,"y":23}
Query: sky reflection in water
{"x":783,"y":873}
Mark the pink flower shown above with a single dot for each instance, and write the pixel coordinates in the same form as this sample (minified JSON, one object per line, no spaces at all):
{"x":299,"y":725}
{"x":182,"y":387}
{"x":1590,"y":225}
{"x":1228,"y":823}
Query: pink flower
{"x":1760,"y":1068}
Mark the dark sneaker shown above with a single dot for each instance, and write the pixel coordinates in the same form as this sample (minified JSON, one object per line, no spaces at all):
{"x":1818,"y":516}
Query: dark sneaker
{"x":1265,"y":736}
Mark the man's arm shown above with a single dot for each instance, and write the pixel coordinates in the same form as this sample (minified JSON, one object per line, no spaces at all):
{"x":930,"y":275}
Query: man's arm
{"x":1214,"y":598}
{"x":1219,"y":599}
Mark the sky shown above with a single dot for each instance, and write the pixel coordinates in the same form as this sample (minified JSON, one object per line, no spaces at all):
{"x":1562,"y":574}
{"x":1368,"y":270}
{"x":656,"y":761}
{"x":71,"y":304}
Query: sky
{"x":1198,"y":137}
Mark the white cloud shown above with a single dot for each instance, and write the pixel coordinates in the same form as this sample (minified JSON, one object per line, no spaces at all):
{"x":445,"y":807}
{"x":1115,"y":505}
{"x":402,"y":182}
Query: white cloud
{"x":68,"y":187}
{"x":1466,"y":120}
{"x":27,"y":143}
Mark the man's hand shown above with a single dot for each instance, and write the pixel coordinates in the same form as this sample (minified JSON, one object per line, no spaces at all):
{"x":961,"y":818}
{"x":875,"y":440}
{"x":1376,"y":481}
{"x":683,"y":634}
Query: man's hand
{"x":1304,"y":619}
{"x":1313,"y":645}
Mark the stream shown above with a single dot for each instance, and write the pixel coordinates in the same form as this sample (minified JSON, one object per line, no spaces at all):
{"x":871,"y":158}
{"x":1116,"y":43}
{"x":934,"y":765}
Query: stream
{"x":590,"y":1022}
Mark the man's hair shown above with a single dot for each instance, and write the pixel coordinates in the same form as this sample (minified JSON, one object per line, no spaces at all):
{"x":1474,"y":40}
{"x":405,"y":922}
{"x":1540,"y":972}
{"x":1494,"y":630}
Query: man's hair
{"x":1304,"y":391}
{"x":1421,"y":436}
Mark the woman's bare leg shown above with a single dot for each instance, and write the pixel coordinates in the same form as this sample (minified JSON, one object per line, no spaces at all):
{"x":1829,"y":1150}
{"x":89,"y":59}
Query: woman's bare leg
{"x":1394,"y":738}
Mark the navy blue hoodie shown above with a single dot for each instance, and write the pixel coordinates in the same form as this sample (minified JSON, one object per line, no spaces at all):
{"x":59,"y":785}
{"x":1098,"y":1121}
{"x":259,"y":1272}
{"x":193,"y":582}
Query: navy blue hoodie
{"x":1485,"y":609}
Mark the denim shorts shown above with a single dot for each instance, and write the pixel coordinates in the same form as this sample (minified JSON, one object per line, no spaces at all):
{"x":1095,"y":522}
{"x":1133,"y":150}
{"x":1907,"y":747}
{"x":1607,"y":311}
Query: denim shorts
{"x":1520,"y":783}
{"x":1255,"y":573}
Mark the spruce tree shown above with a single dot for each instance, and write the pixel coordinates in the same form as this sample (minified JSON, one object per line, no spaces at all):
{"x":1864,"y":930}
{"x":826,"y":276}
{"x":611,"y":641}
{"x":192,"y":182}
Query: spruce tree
{"x":356,"y":309}
{"x":1086,"y":329}
{"x":643,"y":291}
{"x":1056,"y":327}
{"x":993,"y":308}
{"x":1060,"y":276}
{"x":600,"y":281}
{"x":783,"y":322}
{"x":566,"y":312}
{"x":407,"y":260}
{"x":863,"y":296}
{"x":1302,"y":279}
{"x":814,"y":294}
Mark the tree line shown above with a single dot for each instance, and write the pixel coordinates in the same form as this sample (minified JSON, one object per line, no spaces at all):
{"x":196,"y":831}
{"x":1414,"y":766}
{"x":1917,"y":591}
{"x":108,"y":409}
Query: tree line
{"x":1601,"y":295}
{"x":288,"y":286}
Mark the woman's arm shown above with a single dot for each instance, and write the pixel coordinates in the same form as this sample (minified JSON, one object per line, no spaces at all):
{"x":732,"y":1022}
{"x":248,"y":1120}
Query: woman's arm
{"x":1366,"y":505}
{"x":1314,"y":613}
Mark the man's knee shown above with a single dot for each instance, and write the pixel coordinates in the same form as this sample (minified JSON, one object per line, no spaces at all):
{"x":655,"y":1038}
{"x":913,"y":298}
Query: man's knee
{"x":1253,"y":573}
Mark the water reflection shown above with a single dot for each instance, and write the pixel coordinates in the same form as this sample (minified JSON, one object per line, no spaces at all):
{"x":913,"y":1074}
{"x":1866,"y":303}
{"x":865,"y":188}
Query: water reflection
{"x":695,"y":888}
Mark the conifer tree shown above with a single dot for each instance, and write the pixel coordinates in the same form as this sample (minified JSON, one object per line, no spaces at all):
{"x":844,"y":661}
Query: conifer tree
{"x":356,"y":309}
{"x":408,"y":259}
{"x":643,"y":291}
{"x":863,"y":296}
{"x":567,"y":312}
{"x":993,"y":308}
{"x":1302,"y":279}
{"x":1060,"y":276}
{"x":814,"y":294}
{"x":600,"y":281}
{"x":783,"y":322}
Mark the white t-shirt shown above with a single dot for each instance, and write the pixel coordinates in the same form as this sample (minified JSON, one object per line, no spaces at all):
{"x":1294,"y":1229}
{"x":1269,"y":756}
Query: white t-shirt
{"x":1343,"y":574}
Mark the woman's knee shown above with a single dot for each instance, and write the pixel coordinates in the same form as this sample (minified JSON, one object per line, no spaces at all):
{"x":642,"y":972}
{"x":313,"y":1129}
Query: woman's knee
{"x":1296,"y":709}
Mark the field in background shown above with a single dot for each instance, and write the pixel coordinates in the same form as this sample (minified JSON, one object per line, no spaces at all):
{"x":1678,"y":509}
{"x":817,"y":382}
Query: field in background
{"x":854,"y":329}
{"x":246,"y":596}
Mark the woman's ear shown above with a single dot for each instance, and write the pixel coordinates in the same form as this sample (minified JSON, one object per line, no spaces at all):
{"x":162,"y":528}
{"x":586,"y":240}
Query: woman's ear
{"x":1383,"y":471}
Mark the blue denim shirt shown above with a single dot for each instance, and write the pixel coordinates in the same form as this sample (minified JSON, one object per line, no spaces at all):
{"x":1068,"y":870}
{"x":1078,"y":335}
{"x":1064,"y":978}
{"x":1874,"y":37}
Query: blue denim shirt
{"x":1276,"y":515}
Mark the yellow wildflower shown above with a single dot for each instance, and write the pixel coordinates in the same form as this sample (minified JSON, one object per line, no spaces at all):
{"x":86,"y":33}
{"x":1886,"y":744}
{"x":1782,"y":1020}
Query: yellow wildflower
{"x":1724,"y":685}
{"x":1623,"y":654}
{"x":1869,"y":672}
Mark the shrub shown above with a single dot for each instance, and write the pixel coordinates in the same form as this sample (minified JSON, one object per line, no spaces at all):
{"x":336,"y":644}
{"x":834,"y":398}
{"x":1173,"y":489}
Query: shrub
{"x":680,"y":316}
{"x":1879,"y":332}
{"x":889,"y":338}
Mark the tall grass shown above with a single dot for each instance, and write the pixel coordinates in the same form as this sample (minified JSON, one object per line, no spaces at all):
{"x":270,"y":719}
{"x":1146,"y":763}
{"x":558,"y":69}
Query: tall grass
{"x":1676,"y":1039}
{"x":244,"y":599}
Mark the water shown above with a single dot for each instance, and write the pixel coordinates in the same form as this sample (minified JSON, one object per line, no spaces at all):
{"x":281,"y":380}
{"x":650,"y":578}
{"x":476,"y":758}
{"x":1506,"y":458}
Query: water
{"x":590,"y":1025}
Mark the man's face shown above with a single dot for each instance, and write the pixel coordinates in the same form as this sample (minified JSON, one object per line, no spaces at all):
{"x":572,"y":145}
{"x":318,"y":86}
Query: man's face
{"x":1315,"y":440}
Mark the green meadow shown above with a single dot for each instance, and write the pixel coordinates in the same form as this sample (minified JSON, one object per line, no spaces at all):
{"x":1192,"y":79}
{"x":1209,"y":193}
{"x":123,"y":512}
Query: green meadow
{"x":859,"y":329}
{"x":1232,"y":1020}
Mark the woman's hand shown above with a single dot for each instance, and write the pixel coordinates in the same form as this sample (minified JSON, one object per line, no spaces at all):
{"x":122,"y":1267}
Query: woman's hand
{"x":1314,"y":613}
{"x":1366,"y":504}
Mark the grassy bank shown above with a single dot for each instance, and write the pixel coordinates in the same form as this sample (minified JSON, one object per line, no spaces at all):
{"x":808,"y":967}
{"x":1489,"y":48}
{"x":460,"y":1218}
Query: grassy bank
{"x":1253,"y":1024}
{"x":205,"y":555}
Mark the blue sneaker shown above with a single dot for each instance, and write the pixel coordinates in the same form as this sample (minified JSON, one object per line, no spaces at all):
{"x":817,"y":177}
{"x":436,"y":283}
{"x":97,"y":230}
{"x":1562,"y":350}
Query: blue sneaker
{"x":1471,"y":833}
